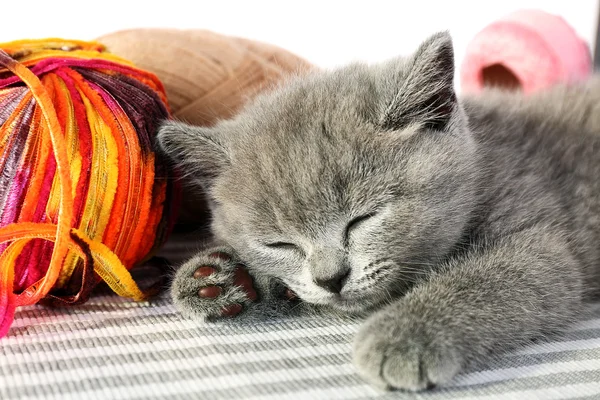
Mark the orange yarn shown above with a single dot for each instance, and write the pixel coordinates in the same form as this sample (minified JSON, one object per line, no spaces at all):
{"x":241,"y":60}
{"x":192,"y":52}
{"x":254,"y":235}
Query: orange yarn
{"x":77,"y":147}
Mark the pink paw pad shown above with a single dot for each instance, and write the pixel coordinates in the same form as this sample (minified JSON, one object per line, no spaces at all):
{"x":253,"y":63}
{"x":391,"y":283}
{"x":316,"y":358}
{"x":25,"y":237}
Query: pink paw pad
{"x":290,"y":294}
{"x":210,"y":292}
{"x":204,"y":271}
{"x":231,"y":310}
{"x":243,"y":279}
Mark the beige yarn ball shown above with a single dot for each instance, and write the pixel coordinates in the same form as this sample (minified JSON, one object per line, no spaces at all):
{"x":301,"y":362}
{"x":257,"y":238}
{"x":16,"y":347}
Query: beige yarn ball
{"x":207,"y":76}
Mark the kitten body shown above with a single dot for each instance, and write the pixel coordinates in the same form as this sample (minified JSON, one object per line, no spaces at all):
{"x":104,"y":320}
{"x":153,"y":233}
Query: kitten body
{"x":462,"y":228}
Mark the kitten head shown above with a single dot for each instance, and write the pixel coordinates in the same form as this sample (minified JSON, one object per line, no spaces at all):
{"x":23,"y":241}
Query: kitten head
{"x":346,"y":185}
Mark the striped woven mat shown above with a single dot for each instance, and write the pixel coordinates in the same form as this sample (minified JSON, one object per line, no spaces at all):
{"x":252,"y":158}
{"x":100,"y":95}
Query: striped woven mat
{"x":112,"y":348}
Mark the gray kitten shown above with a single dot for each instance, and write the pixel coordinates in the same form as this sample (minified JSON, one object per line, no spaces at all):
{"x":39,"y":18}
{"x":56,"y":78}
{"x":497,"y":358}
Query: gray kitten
{"x":463,"y":227}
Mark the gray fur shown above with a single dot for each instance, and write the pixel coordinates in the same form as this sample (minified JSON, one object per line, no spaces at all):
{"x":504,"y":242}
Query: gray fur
{"x":482,"y":228}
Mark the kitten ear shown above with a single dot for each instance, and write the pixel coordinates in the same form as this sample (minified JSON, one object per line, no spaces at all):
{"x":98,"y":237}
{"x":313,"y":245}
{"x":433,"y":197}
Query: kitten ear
{"x":426,"y":87}
{"x":200,"y":153}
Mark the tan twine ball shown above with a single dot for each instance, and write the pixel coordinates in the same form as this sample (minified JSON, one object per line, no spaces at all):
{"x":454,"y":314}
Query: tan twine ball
{"x":207,"y":76}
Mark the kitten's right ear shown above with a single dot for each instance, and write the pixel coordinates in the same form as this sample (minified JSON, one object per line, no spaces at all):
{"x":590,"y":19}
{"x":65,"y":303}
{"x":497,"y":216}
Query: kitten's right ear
{"x":199,"y":153}
{"x":422,"y":88}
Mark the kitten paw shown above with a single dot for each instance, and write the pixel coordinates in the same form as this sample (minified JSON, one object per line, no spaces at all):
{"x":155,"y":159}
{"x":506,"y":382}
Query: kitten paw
{"x":395,"y":354}
{"x":213,"y":284}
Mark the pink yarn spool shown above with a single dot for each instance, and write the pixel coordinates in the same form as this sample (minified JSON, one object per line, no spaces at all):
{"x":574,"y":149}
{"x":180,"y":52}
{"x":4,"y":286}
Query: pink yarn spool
{"x":527,"y":50}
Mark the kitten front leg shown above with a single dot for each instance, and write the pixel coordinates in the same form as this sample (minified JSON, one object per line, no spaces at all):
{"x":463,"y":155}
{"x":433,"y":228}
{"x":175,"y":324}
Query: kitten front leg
{"x":215,"y":283}
{"x":501,"y":295}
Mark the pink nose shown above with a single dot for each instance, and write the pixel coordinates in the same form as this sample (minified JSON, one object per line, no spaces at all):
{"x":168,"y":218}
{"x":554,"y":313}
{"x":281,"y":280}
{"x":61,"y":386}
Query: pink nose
{"x":333,"y":284}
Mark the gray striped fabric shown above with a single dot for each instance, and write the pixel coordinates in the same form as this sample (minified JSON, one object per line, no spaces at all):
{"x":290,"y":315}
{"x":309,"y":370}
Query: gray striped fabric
{"x":112,"y":348}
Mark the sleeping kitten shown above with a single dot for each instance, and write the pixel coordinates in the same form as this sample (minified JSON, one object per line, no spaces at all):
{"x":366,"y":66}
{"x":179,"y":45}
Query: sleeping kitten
{"x":463,"y":227}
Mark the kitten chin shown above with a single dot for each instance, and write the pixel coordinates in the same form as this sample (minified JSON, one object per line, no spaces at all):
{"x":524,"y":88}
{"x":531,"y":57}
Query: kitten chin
{"x":360,"y":303}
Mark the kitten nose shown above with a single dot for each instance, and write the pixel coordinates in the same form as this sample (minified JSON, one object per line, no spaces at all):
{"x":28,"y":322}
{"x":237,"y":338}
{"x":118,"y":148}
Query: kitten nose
{"x":333,"y":284}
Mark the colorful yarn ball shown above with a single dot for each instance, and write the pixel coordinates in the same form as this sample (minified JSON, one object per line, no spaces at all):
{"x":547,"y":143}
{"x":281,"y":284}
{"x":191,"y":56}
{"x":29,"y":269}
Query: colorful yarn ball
{"x":83,"y":197}
{"x":528,"y":50}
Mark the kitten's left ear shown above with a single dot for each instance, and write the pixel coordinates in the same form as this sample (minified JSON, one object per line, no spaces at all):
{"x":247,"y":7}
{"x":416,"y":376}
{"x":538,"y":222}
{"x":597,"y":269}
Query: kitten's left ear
{"x":426,"y":87}
{"x":202,"y":154}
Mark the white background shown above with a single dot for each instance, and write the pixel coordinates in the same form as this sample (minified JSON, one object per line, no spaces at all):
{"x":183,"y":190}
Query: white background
{"x":327,"y":33}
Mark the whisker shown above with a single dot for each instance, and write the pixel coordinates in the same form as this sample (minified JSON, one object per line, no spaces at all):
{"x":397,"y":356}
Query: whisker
{"x":414,"y":271}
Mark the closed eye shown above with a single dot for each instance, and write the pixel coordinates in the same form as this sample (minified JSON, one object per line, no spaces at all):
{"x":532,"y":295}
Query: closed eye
{"x":284,"y":246}
{"x":354,"y":223}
